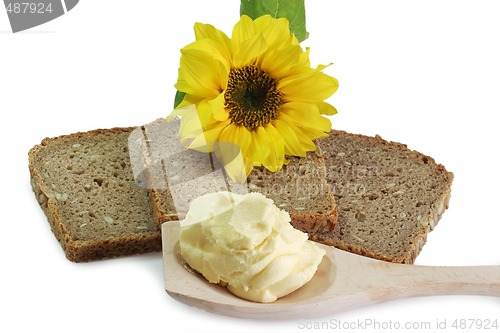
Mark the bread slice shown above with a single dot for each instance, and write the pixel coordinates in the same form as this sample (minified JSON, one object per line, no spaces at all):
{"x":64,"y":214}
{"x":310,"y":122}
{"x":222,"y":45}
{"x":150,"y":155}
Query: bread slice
{"x":388,"y":196}
{"x":179,"y":175}
{"x":84,"y":184}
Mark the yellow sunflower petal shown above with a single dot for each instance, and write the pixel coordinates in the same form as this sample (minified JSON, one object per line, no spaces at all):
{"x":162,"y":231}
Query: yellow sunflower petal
{"x":306,"y":115}
{"x":309,"y":86}
{"x":313,"y":133}
{"x":276,"y":157}
{"x":276,"y":32}
{"x":215,"y":108}
{"x":326,"y":108}
{"x":302,"y":63}
{"x":306,"y":142}
{"x":239,"y":136}
{"x":249,"y":50}
{"x":210,"y":49}
{"x":204,"y":112}
{"x":246,"y":137}
{"x":190,"y":126}
{"x":305,"y":58}
{"x":259,"y":149}
{"x":238,"y":168}
{"x":232,"y":146}
{"x":204,"y":142}
{"x":292,"y":143}
{"x":242,"y":31}
{"x":208,"y":31}
{"x":199,"y":75}
{"x":278,"y":62}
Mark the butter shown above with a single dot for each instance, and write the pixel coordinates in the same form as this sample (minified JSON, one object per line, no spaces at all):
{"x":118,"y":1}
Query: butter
{"x":246,"y":243}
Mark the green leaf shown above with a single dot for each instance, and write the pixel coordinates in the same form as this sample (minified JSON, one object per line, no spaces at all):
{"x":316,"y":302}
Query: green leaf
{"x":179,"y":97}
{"x":293,"y":10}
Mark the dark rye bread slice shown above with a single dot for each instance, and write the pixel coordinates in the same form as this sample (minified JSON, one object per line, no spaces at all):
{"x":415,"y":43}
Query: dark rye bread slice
{"x":178,"y":175}
{"x":388,"y":196}
{"x":84,"y":184}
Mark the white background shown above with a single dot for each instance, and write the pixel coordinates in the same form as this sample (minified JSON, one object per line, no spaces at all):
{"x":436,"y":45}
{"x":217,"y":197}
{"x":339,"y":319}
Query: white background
{"x":425,"y":73}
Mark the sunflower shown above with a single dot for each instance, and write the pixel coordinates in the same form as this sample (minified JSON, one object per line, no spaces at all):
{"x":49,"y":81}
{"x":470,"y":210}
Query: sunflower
{"x":252,"y":96}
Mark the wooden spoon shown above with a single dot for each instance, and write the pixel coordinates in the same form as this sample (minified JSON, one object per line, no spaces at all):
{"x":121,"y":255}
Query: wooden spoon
{"x":343,"y":281}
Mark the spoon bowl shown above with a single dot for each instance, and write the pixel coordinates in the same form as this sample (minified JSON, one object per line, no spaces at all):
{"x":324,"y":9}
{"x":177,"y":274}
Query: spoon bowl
{"x":343,"y":281}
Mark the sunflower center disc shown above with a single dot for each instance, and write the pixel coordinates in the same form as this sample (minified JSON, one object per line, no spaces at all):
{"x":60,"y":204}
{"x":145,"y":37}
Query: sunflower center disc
{"x":252,"y":97}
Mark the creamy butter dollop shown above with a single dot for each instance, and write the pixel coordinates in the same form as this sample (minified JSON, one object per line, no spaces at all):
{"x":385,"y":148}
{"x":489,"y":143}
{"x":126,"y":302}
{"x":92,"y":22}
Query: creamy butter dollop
{"x":247,"y":244}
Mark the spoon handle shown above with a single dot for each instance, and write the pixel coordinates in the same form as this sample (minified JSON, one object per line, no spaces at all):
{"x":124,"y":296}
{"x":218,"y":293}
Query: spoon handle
{"x":376,"y":281}
{"x":426,"y":280}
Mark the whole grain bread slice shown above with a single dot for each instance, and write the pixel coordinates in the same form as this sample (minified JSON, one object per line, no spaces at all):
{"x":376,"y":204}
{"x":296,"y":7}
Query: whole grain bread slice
{"x":178,"y":175}
{"x":388,"y":196}
{"x":84,"y":184}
